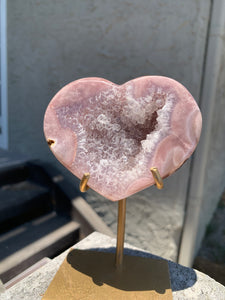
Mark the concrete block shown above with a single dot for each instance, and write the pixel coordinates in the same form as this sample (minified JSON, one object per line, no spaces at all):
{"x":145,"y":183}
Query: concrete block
{"x":186,"y":283}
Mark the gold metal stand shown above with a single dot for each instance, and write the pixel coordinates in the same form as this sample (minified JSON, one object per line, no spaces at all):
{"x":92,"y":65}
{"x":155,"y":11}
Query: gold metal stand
{"x":121,"y":213}
{"x":95,"y":275}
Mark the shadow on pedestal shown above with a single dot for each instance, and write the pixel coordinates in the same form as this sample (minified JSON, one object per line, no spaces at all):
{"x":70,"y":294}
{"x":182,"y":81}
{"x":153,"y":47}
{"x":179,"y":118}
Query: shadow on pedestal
{"x":180,"y":277}
{"x":92,"y":274}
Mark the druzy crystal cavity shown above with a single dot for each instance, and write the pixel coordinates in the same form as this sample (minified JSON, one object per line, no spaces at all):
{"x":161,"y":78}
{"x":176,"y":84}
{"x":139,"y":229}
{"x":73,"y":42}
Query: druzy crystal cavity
{"x":118,"y":132}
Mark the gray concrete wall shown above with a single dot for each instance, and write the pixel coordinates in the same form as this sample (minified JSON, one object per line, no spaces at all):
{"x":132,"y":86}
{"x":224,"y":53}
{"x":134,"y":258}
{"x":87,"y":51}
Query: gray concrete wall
{"x":51,"y":43}
{"x":208,"y":171}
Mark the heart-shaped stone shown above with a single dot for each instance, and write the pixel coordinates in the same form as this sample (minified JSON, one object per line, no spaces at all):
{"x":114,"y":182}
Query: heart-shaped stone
{"x":118,"y":132}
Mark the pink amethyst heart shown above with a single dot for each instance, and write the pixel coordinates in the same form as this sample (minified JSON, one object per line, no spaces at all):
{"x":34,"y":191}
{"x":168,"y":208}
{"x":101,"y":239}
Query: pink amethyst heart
{"x":118,"y":132}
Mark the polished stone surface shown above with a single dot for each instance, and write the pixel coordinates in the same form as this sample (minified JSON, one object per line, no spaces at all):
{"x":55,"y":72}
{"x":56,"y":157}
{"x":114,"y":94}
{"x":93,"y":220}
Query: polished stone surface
{"x":117,"y":133}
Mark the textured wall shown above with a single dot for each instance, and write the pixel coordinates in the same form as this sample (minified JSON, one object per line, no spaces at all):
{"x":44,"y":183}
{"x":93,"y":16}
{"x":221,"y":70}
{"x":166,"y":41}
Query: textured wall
{"x":215,"y":168}
{"x":208,"y":172}
{"x":51,"y":43}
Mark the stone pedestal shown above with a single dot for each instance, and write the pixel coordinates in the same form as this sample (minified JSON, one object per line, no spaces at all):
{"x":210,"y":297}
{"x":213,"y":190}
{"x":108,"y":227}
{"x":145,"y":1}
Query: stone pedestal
{"x":186,"y":283}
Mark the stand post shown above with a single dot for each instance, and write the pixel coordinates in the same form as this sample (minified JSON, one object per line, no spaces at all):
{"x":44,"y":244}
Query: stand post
{"x":120,"y":232}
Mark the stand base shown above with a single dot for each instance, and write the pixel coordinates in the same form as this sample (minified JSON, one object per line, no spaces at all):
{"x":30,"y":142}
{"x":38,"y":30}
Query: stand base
{"x":91,"y":275}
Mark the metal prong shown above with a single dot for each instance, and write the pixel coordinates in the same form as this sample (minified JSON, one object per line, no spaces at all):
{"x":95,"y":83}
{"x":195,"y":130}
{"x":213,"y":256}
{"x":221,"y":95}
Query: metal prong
{"x":83,"y":183}
{"x":157,"y":177}
{"x":50,"y":142}
{"x":120,"y":232}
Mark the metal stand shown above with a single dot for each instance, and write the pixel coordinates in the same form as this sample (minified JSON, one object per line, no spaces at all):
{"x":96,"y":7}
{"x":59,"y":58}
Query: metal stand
{"x":87,"y":274}
{"x":121,"y":213}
